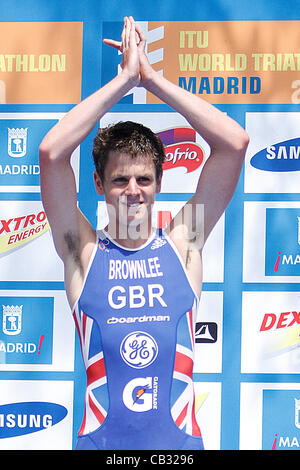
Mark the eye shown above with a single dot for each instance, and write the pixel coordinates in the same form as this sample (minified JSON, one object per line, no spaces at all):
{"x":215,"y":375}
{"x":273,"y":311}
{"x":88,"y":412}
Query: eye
{"x":144,"y":180}
{"x":120,"y":180}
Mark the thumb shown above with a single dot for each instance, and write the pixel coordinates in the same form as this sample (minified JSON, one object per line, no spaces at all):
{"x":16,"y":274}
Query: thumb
{"x":113,"y":43}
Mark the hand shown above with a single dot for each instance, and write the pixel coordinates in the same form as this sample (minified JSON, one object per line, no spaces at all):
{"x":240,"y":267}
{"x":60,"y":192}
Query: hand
{"x":145,"y":68}
{"x":128,"y":46}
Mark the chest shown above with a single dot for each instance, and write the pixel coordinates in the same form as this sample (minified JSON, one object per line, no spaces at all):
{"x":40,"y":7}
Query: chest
{"x":126,"y":284}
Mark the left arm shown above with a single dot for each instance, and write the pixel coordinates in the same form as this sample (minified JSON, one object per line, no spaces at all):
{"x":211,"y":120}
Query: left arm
{"x":227,"y":139}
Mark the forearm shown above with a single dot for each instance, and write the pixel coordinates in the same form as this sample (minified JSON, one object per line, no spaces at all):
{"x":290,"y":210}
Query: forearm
{"x":219,"y":130}
{"x":75,"y":126}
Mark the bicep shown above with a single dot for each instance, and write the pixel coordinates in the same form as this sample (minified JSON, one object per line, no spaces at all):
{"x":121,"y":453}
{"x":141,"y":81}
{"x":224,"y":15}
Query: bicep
{"x":216,"y":187}
{"x":193,"y":224}
{"x":59,"y":197}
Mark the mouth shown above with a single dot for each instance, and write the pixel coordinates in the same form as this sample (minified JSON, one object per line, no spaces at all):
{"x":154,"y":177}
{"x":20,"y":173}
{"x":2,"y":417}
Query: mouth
{"x":134,"y":204}
{"x":130,"y":202}
{"x":135,"y":209}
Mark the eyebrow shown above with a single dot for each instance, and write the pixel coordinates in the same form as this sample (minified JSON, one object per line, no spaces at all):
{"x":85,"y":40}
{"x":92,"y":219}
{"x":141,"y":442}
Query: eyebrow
{"x":125,"y":175}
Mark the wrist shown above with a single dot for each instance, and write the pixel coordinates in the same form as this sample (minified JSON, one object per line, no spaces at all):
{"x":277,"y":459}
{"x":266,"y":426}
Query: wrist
{"x":147,"y":73}
{"x":130,"y":80}
{"x":151,"y":80}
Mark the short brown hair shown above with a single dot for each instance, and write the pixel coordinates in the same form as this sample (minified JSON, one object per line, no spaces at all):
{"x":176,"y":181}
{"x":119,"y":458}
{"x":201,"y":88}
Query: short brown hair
{"x":128,"y":137}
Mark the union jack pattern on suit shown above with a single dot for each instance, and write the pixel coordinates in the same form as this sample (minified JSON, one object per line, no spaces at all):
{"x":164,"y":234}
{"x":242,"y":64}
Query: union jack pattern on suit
{"x":182,"y":393}
{"x":96,"y":396}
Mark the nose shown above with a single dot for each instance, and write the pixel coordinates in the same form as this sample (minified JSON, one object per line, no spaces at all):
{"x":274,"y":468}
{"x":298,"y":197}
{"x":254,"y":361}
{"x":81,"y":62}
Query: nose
{"x":132,"y":187}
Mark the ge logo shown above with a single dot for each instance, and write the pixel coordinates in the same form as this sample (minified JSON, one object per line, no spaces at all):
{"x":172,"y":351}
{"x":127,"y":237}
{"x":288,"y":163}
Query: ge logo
{"x":138,"y":349}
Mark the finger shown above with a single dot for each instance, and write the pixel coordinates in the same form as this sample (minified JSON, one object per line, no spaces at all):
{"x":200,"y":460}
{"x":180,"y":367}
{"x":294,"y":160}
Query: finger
{"x":132,"y":34}
{"x":128,"y":32}
{"x":123,"y":33}
{"x":142,"y":37}
{"x":112,"y":43}
{"x":140,"y":32}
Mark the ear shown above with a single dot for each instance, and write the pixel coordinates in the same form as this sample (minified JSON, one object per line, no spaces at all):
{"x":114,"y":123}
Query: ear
{"x":98,"y":184}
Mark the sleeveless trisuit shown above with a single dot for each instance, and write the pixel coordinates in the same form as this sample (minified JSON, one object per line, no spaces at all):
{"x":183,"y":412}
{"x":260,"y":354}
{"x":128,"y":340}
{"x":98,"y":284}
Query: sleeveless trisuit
{"x":135,"y":319}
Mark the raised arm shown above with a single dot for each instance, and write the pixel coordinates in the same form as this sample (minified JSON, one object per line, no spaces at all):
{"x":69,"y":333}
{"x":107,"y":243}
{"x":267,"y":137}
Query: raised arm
{"x":227,"y":139}
{"x":73,"y":235}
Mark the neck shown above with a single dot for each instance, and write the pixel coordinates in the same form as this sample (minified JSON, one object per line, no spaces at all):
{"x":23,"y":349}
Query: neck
{"x":130,"y":236}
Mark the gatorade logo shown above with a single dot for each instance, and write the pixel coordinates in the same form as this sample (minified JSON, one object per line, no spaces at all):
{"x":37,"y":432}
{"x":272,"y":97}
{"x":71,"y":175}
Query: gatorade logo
{"x":140,"y":394}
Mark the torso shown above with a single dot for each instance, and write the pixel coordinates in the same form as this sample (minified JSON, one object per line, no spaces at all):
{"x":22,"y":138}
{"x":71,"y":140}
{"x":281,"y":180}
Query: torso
{"x":135,"y":318}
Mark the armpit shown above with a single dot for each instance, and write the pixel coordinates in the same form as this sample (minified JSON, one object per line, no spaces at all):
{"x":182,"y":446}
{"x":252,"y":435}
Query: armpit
{"x":73,"y":245}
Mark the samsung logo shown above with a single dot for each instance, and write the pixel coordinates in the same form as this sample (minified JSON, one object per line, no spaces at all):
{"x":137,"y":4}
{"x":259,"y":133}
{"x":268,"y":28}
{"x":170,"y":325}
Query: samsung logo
{"x":283,"y":156}
{"x":17,"y":419}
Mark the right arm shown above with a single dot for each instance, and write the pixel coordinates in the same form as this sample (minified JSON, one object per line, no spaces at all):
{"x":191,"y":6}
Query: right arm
{"x":57,"y":178}
{"x":73,"y":236}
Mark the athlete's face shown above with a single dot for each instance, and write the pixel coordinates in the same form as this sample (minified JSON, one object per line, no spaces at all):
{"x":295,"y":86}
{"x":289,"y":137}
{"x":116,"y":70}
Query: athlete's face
{"x":129,"y":188}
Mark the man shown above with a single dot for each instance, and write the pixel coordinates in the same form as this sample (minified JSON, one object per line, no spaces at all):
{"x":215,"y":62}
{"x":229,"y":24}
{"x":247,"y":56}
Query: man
{"x":134,"y":292}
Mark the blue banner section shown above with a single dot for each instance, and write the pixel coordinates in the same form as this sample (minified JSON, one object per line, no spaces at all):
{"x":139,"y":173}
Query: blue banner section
{"x":20,"y":150}
{"x":26,"y":336}
{"x":282,"y":242}
{"x":281,"y":419}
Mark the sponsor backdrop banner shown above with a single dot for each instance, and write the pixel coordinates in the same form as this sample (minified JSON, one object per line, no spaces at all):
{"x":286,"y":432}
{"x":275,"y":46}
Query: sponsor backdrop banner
{"x":245,"y":59}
